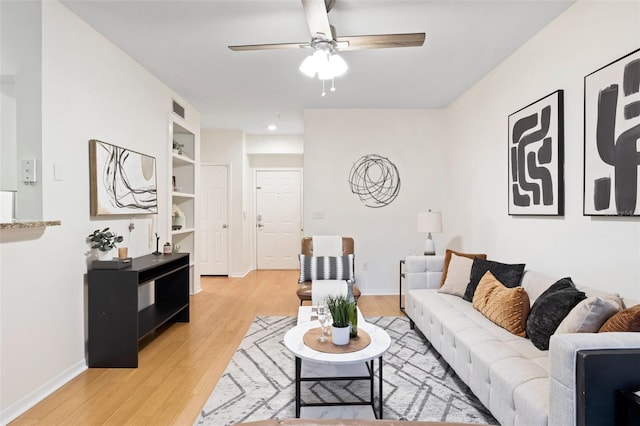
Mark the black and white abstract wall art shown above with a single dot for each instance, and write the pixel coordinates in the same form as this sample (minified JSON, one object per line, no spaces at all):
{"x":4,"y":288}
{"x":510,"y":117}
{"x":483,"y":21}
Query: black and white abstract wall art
{"x":536,"y":158}
{"x":122,"y":181}
{"x":375,"y":180}
{"x":612,"y":139}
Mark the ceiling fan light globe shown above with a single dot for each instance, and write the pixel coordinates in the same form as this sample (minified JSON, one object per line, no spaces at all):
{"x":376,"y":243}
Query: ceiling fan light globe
{"x":308,"y":66}
{"x":337,"y":65}
{"x":325,"y":74}
{"x":321,"y":59}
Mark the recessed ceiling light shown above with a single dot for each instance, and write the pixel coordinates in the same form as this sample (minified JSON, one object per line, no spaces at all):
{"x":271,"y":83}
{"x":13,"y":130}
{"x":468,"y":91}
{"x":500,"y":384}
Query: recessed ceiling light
{"x":272,"y":127}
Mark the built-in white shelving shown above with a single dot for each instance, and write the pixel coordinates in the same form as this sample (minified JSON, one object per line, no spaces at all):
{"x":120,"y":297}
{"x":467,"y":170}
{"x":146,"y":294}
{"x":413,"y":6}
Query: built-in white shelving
{"x":183,"y":183}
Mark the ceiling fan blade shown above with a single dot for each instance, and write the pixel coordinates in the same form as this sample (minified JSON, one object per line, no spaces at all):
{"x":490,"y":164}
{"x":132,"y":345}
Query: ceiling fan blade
{"x":382,"y":41}
{"x":271,"y":46}
{"x":317,"y":18}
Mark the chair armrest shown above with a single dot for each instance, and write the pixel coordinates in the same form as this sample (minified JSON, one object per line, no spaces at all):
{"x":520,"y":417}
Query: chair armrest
{"x":563,"y":350}
{"x":423,"y":271}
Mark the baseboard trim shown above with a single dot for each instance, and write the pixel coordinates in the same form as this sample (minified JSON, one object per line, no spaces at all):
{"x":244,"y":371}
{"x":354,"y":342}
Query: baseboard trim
{"x":240,"y":275}
{"x":21,"y":406}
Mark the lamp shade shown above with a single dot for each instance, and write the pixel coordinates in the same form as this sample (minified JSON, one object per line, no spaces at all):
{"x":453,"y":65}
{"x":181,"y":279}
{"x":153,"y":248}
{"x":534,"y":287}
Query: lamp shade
{"x":429,"y":221}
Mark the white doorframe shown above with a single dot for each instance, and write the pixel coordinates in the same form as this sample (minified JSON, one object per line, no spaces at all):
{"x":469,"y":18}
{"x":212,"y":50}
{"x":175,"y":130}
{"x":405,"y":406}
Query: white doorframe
{"x":254,"y":176}
{"x":230,"y":220}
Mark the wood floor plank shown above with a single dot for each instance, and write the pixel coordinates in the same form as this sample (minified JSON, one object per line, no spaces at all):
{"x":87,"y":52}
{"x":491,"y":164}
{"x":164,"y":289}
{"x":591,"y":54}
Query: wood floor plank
{"x":181,"y":363}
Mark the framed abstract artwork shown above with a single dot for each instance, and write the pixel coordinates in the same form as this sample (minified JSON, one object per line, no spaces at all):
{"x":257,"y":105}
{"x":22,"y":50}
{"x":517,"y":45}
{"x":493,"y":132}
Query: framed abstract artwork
{"x":536,"y":158}
{"x":612,"y":138}
{"x":122,"y":181}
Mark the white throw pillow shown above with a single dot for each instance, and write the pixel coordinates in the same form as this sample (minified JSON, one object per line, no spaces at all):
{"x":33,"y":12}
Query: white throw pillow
{"x":588,"y":316}
{"x":458,"y":275}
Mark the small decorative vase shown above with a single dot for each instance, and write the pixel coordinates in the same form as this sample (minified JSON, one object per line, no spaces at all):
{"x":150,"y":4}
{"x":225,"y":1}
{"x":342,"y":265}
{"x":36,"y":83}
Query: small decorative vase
{"x":167,"y":249}
{"x":177,"y":222}
{"x":123,"y":252}
{"x":340,"y":335}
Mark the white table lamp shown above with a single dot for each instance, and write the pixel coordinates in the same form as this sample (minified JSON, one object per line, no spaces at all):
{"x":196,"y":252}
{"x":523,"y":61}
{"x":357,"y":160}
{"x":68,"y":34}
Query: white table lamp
{"x":429,"y":222}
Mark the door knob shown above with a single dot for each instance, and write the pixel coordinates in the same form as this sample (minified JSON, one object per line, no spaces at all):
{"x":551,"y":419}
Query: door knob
{"x":224,"y":226}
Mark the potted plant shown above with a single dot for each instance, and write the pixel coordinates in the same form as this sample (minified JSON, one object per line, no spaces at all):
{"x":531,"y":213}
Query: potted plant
{"x":104,"y":240}
{"x":340,"y":308}
{"x":167,"y":248}
{"x":177,"y":147}
{"x":177,"y":218}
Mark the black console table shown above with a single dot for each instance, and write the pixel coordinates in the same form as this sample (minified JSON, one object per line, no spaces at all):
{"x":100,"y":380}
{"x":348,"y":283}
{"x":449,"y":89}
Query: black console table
{"x":115,"y":325}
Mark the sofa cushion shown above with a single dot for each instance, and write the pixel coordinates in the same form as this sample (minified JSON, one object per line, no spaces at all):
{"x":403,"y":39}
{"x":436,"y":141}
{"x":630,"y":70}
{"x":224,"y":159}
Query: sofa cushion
{"x":459,"y":271}
{"x":588,"y":316}
{"x":550,"y":309}
{"x":447,"y":260}
{"x":508,"y":275}
{"x":626,"y":320}
{"x":507,"y":307}
{"x":325,"y":268}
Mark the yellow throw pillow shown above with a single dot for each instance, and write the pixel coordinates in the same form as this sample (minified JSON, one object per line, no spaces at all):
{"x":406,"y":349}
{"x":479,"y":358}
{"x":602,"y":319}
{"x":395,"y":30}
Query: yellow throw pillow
{"x":627,"y":320}
{"x":507,"y":307}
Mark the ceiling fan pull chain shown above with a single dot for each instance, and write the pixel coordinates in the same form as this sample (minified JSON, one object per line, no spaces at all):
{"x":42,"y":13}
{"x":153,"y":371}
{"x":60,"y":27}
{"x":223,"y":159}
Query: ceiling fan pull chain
{"x":323,"y":92}
{"x":333,"y":86}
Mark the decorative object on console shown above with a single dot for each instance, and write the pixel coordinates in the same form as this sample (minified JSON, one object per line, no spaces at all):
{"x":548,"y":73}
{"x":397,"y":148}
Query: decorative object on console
{"x":508,"y":274}
{"x":548,"y":311}
{"x":536,"y":156}
{"x":178,"y":219}
{"x":507,"y":307}
{"x":122,"y":181}
{"x":447,"y":260}
{"x":157,"y":252}
{"x":429,"y":222}
{"x":167,"y":249}
{"x":611,"y":132}
{"x":627,"y":320}
{"x":375,"y":180}
{"x":104,"y":240}
{"x":326,"y":268}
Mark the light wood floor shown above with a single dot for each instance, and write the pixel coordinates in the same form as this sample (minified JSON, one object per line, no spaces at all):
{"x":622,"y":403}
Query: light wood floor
{"x":181,"y":364}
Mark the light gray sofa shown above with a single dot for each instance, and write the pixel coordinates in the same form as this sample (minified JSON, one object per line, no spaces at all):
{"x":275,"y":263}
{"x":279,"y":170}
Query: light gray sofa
{"x":517,"y":382}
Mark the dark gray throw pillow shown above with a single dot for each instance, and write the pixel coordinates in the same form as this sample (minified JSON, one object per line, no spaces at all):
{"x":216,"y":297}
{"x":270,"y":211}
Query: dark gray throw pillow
{"x":508,"y":275}
{"x":549,"y":310}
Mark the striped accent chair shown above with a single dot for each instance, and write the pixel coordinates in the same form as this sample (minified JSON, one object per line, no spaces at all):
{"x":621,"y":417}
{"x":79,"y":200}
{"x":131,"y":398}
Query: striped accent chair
{"x":304,"y":289}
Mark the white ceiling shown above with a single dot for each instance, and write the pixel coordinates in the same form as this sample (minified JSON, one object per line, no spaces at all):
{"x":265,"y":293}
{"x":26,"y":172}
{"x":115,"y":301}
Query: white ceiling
{"x":184,"y":43}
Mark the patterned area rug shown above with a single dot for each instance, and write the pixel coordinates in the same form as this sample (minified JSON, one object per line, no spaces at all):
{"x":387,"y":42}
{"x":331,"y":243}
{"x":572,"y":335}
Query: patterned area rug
{"x":418,"y":385}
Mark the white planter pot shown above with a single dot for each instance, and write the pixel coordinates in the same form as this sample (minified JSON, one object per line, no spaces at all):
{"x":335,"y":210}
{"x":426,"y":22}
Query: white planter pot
{"x":340,"y":335}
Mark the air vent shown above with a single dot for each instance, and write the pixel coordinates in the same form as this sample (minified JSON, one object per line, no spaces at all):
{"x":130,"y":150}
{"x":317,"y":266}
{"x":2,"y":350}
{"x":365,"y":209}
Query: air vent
{"x":178,"y":109}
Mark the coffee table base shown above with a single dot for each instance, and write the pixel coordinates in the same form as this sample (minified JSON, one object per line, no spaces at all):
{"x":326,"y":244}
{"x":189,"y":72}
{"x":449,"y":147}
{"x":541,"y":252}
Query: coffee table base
{"x":321,"y":378}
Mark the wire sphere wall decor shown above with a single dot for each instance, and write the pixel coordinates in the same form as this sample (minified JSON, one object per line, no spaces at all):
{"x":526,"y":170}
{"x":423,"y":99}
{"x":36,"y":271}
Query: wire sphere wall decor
{"x":375,"y":180}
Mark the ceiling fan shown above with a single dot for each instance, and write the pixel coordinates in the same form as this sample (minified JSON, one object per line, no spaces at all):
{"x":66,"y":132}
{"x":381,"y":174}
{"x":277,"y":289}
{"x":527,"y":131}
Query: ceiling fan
{"x":323,"y":34}
{"x":325,"y":62}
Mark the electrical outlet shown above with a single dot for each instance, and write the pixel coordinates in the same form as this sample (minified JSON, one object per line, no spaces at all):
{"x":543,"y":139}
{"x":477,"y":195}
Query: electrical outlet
{"x":28,"y":170}
{"x":365,"y":265}
{"x":318,"y":214}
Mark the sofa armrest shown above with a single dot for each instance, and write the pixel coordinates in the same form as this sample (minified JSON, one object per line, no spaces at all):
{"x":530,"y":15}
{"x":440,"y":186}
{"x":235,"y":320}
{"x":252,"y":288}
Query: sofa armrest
{"x":563,"y":352}
{"x":423,"y":271}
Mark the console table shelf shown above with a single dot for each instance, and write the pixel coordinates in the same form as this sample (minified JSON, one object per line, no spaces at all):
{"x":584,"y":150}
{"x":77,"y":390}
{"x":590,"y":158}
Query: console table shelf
{"x":115,"y":324}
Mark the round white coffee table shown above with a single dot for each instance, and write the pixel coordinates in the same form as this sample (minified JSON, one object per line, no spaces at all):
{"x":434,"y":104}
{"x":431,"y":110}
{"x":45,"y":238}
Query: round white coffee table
{"x":322,"y":366}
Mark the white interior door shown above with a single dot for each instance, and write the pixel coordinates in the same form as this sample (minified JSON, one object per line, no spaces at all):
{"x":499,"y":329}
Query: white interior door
{"x":278,"y":218}
{"x":214,"y":230}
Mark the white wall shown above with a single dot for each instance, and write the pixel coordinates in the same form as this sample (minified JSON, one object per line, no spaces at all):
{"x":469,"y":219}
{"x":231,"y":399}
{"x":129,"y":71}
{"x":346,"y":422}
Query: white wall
{"x":275,"y":144}
{"x":90,"y":90}
{"x":21,"y":65}
{"x":598,"y":252}
{"x":414,"y":141}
